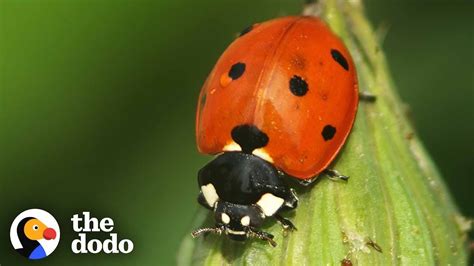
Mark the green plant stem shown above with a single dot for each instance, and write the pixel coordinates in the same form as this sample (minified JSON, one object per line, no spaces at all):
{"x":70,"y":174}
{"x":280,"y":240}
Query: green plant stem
{"x":395,"y":198}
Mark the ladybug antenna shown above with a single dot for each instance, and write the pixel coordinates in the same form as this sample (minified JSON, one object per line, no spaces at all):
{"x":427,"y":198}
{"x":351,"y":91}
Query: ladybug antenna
{"x":215,"y":230}
{"x":263,"y":236}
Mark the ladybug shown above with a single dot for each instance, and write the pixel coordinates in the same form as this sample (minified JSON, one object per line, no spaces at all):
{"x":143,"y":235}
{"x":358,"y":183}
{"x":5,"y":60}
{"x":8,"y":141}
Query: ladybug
{"x":280,"y":101}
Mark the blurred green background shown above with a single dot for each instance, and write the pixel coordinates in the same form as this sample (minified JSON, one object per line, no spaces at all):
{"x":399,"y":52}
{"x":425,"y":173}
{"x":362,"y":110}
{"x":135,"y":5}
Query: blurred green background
{"x":97,"y":106}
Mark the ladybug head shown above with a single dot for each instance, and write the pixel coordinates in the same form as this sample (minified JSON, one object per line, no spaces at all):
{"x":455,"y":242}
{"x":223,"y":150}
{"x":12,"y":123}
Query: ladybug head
{"x":238,"y":221}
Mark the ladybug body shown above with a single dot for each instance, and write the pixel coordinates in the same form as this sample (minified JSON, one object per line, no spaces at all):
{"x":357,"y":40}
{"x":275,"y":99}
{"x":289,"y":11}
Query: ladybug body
{"x":280,"y":101}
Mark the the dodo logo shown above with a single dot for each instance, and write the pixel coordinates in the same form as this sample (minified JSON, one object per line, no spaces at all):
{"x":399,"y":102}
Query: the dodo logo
{"x":35,"y":234}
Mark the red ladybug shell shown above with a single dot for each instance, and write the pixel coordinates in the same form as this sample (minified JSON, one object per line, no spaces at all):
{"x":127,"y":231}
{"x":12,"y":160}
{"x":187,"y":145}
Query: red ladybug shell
{"x":293,"y":80}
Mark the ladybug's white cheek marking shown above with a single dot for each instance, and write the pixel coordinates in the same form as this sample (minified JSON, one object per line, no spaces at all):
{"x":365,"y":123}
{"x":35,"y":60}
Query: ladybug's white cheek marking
{"x":232,"y":146}
{"x":225,"y":218}
{"x":210,"y":194}
{"x":270,"y":203}
{"x":262,"y":153}
{"x":245,"y":221}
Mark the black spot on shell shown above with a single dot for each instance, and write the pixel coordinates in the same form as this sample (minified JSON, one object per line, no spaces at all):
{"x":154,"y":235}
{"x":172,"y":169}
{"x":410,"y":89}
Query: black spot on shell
{"x":249,"y":137}
{"x":236,"y":70}
{"x":338,"y":57}
{"x":298,"y":86}
{"x":328,"y":132}
{"x":246,"y":30}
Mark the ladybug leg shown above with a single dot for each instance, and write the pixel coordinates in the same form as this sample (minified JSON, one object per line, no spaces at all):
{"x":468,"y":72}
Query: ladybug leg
{"x":334,"y":175}
{"x":367,"y":97}
{"x":308,"y":182}
{"x":263,"y":236}
{"x":291,"y":201}
{"x":285,"y":223}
